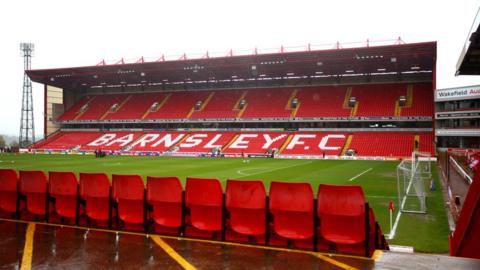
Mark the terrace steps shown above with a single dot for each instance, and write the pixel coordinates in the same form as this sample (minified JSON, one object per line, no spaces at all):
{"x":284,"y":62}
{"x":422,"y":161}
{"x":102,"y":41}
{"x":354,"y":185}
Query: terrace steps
{"x":79,"y":114}
{"x":165,"y":99}
{"x":287,"y":141}
{"x":347,"y":145}
{"x":117,"y":109}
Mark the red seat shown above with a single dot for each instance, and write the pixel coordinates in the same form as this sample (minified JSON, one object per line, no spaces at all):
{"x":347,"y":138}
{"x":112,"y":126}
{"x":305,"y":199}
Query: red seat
{"x":64,"y":188}
{"x":129,"y":194}
{"x":95,"y":189}
{"x":246,"y":202}
{"x":33,"y":185}
{"x":291,"y":205}
{"x":8,"y":190}
{"x":164,"y":194}
{"x":342,"y":218}
{"x":204,"y":199}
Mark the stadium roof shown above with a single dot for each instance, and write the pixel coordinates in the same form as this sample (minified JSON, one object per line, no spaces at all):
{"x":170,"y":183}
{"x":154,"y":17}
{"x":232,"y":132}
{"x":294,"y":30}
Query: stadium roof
{"x":285,"y":63}
{"x":469,"y":61}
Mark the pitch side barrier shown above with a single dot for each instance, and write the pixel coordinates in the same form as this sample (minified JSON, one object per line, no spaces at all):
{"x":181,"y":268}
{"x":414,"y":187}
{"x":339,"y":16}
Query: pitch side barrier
{"x":464,"y":239}
{"x":159,"y":154}
{"x":290,"y":216}
{"x":234,"y":143}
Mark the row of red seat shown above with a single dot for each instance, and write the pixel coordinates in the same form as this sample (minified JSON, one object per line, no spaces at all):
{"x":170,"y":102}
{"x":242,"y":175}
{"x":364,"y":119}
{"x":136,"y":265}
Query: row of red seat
{"x":388,"y":144}
{"x":289,"y":216}
{"x":321,"y":101}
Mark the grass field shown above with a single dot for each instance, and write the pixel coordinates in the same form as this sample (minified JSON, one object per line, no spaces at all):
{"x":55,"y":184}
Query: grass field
{"x":426,"y":233}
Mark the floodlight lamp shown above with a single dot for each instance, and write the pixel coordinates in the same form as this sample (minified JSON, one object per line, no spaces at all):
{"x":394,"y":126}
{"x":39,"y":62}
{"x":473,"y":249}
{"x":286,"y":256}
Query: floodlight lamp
{"x":27,"y":49}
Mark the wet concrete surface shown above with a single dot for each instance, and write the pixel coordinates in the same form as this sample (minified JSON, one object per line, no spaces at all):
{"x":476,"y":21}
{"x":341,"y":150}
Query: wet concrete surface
{"x":400,"y":261}
{"x":56,"y":247}
{"x":12,"y":241}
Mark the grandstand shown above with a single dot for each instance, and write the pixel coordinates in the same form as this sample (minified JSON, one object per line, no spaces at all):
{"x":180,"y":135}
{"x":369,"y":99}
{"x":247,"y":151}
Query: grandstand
{"x":302,"y":103}
{"x":370,"y":102}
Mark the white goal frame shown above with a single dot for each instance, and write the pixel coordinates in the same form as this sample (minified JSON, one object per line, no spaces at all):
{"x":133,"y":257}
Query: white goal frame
{"x":412,"y":176}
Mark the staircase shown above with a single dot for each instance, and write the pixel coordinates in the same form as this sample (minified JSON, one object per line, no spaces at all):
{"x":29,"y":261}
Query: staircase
{"x":288,"y":106}
{"x":416,"y":139}
{"x":116,"y":109}
{"x":354,"y":110}
{"x":348,"y":94}
{"x":165,"y":99}
{"x":80,"y":113}
{"x":346,"y":100}
{"x":284,"y":145}
{"x":408,"y":104}
{"x":241,"y":111}
{"x":204,"y":104}
{"x":347,"y":145}
{"x":230,"y":142}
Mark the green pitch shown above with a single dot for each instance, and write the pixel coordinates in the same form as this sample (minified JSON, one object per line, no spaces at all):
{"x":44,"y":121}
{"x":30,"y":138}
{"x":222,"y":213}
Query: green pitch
{"x":426,"y":233}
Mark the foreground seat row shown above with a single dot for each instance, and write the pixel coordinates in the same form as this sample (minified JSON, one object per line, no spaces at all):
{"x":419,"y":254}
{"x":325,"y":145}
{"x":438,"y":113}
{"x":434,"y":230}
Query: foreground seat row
{"x":339,"y":220}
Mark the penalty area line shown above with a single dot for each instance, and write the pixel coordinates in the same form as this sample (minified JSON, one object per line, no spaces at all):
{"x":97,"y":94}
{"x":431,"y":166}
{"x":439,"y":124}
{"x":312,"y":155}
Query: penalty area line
{"x":360,"y":174}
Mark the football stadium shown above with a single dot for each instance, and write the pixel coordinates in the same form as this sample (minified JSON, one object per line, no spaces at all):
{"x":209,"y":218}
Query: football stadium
{"x":338,"y":156}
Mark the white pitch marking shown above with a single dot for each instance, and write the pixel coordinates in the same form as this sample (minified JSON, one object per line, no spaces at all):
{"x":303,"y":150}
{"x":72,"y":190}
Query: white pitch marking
{"x":360,"y":174}
{"x":268,"y":170}
{"x":404,"y":249}
{"x":392,"y":233}
{"x":380,"y":197}
{"x":397,"y":219}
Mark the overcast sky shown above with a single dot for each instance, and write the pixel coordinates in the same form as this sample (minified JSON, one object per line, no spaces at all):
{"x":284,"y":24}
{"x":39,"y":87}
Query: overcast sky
{"x":78,"y":33}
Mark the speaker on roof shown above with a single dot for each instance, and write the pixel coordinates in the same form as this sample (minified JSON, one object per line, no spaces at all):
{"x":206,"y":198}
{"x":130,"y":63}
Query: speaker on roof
{"x":402,"y":100}
{"x":352,"y":101}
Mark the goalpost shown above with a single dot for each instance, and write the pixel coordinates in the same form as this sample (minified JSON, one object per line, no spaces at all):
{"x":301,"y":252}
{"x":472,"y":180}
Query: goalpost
{"x":413,"y":179}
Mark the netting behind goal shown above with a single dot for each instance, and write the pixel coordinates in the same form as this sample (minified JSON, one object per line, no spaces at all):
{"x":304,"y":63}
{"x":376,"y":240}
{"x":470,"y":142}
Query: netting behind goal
{"x":413,"y":180}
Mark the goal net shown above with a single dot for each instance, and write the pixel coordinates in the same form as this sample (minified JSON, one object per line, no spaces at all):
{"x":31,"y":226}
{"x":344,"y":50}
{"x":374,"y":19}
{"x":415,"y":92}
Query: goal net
{"x":413,"y":179}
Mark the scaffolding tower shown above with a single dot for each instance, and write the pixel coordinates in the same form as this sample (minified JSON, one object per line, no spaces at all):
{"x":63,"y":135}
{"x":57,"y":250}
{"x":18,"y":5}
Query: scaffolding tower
{"x":27,"y":126}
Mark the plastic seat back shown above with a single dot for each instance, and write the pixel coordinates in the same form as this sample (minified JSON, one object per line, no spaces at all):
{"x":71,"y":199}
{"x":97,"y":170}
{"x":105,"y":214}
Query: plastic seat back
{"x":95,"y":190}
{"x":341,"y":210}
{"x":246,"y":202}
{"x":64,"y":188}
{"x":291,"y":205}
{"x":165,"y":196}
{"x":8,"y":190}
{"x":204,"y":198}
{"x":129,"y":193}
{"x":334,"y":199}
{"x":33,"y":184}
